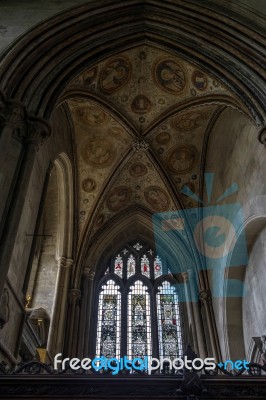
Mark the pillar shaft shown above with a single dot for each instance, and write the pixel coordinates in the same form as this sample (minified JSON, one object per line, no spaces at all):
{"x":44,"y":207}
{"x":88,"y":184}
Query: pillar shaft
{"x":197,"y":315}
{"x":205,"y":297}
{"x":58,"y":321}
{"x":32,"y":136}
{"x":74,"y":296}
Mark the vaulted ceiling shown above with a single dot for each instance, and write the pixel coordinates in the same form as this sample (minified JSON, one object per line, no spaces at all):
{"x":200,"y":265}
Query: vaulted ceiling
{"x":141,"y":119}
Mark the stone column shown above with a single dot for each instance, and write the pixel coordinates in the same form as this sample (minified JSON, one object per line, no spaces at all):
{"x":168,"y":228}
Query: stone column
{"x":74,"y":296}
{"x":58,"y":321}
{"x":34,"y":133}
{"x":12,"y":126}
{"x":197,"y":314}
{"x":205,"y":298}
{"x":184,"y":281}
{"x":86,"y":311}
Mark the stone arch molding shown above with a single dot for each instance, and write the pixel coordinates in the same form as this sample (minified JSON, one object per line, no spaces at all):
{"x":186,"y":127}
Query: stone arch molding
{"x":66,"y":206}
{"x":255,"y":221}
{"x":115,"y":234}
{"x":35,"y":76}
{"x":64,"y":252}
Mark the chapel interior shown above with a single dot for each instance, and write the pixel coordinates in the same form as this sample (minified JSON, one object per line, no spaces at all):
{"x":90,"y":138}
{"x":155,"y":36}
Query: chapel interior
{"x":133,"y":192}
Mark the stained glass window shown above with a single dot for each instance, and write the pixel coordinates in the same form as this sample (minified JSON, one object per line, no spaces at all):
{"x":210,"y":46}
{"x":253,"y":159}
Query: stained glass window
{"x":169,"y":326}
{"x":145,"y":266}
{"x":118,"y":269}
{"x":157,"y":267}
{"x":139,"y":321}
{"x":151,"y":322}
{"x":131,"y":266}
{"x":109,"y":321}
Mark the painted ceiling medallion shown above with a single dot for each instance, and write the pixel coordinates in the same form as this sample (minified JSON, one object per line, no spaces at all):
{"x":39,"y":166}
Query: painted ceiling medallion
{"x":157,"y":198}
{"x":92,"y":115}
{"x":199,"y":80}
{"x":89,"y":185}
{"x":119,"y":198}
{"x":170,"y":75}
{"x":115,"y":74}
{"x":163,"y":138}
{"x":138,"y":169}
{"x":141,"y":104}
{"x":189,"y":121}
{"x":182,"y":158}
{"x":115,"y":131}
{"x":99,"y":153}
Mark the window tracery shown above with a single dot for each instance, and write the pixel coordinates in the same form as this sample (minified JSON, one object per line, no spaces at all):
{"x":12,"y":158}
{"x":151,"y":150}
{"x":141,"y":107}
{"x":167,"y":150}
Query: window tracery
{"x":138,"y":311}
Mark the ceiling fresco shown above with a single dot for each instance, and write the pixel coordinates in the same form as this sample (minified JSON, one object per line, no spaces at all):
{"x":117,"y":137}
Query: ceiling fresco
{"x":144,"y":82}
{"x":134,"y":97}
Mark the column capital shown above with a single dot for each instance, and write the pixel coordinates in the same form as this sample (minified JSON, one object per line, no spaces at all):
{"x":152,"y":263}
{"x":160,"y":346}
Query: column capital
{"x":65,"y":262}
{"x":88,"y":273}
{"x":205,"y":296}
{"x":262,"y":136}
{"x":26,"y":128}
{"x":74,"y":296}
{"x":12,"y":113}
{"x":36,"y":132}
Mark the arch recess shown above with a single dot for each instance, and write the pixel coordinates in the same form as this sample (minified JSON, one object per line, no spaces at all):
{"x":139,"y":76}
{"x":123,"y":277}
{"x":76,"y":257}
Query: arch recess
{"x":255,"y":222}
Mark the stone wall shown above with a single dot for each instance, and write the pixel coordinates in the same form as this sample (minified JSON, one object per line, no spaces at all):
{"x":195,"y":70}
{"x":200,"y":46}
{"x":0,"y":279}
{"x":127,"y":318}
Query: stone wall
{"x":44,"y":290}
{"x":17,"y":17}
{"x":60,"y":141}
{"x":236,"y":156}
{"x":254,"y":323}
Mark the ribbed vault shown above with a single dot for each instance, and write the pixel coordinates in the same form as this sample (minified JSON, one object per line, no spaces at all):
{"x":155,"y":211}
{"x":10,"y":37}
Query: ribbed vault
{"x":200,"y":33}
